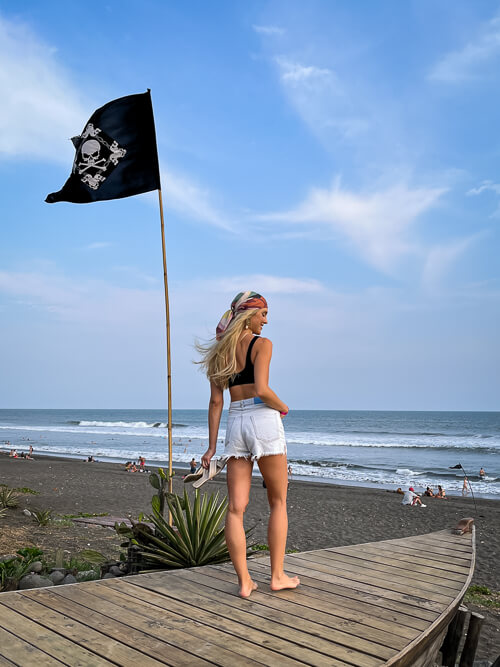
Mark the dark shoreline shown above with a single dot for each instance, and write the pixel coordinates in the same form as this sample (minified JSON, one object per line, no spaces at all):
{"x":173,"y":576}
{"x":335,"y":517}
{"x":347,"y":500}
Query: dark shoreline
{"x":322,"y":481}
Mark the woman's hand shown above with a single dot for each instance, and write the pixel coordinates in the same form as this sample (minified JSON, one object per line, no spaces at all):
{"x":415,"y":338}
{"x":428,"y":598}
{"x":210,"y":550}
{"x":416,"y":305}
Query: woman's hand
{"x":207,"y":457}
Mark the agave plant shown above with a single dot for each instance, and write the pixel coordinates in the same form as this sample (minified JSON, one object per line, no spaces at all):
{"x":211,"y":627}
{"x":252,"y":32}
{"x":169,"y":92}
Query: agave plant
{"x":42,"y":517}
{"x":8,"y":498}
{"x":197,"y":537}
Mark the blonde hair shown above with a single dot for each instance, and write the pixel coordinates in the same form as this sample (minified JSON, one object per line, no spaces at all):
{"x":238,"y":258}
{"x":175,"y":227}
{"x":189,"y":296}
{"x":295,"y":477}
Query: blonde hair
{"x":218,"y":357}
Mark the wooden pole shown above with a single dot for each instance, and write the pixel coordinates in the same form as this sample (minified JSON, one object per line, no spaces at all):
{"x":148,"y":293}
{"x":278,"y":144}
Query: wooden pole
{"x":169,"y":364}
{"x":453,"y":636}
{"x":471,"y":640}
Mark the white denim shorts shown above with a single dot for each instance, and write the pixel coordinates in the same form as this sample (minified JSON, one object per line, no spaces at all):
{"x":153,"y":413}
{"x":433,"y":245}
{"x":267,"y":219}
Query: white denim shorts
{"x":253,"y":430}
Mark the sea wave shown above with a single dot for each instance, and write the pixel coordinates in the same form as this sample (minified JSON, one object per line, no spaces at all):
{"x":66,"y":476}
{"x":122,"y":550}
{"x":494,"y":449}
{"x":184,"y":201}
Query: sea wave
{"x":122,"y":424}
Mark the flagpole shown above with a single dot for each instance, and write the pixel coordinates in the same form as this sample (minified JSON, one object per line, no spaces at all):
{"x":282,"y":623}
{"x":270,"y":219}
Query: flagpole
{"x":169,"y":364}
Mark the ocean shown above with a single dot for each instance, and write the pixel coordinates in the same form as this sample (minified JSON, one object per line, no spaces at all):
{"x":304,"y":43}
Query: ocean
{"x":364,"y":448}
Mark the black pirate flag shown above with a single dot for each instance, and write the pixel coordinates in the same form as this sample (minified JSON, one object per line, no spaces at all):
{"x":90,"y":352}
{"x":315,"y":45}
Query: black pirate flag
{"x":115,"y":155}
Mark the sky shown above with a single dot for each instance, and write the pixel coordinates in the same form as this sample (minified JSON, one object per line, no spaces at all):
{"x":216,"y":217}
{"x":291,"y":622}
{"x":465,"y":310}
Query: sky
{"x":339,"y":158}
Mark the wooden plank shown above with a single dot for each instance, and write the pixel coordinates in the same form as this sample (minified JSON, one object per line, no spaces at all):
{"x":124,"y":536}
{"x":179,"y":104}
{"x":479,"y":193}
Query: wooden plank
{"x":261,"y":632}
{"x":292,"y":623}
{"x":406,"y":555}
{"x":411,"y":616}
{"x":384,"y":573}
{"x":309,"y":617}
{"x":319,"y":602}
{"x":112,"y":630}
{"x":20,"y":652}
{"x":461,"y":557}
{"x":178,"y":632}
{"x":378,"y":556}
{"x":460,"y":550}
{"x":360,"y":574}
{"x":80,"y":635}
{"x":410,"y":603}
{"x":399,"y":550}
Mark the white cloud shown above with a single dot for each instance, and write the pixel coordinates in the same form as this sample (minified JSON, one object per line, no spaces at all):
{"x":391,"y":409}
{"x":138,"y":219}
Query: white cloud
{"x":191,"y":200}
{"x":464,"y":64}
{"x":320,"y":99}
{"x":294,"y":72}
{"x":264,"y":284}
{"x":440,"y":259}
{"x":375,"y":223}
{"x":485,"y":187}
{"x":268,"y":30}
{"x":97,"y":245}
{"x":40,"y":108}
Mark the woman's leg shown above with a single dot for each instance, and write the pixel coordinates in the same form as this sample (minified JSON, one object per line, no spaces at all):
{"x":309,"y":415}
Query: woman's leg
{"x":239,"y":479}
{"x":274,"y":471}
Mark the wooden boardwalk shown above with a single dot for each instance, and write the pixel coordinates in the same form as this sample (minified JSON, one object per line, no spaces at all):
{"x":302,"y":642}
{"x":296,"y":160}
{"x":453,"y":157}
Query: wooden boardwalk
{"x":363,"y":605}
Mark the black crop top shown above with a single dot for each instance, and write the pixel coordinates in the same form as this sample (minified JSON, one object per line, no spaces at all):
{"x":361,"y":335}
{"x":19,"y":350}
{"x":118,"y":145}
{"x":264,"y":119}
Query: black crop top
{"x":246,"y":376}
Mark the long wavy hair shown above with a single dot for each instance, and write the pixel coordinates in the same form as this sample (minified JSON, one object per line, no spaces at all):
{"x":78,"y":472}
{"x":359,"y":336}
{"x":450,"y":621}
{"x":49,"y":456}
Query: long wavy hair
{"x":218,"y":357}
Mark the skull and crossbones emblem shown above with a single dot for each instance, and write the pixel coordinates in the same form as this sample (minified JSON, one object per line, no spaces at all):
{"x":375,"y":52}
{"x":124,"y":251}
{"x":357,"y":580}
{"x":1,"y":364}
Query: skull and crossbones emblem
{"x":96,"y":154}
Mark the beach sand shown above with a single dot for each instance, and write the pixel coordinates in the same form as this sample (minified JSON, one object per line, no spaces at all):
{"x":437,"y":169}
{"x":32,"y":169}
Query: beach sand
{"x":320,"y":515}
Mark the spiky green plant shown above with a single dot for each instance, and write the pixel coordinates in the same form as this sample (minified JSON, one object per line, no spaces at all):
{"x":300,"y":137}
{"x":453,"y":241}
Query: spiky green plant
{"x":12,"y":570}
{"x":42,"y":517}
{"x":8,"y":498}
{"x":3,"y":512}
{"x":197,"y":537}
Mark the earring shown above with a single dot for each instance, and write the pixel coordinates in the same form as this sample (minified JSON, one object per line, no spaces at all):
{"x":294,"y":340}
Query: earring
{"x":246,"y":326}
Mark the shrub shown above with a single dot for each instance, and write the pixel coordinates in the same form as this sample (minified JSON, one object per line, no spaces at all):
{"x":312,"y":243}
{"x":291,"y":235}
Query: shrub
{"x":197,"y":538}
{"x":8,"y":498}
{"x":42,"y":517}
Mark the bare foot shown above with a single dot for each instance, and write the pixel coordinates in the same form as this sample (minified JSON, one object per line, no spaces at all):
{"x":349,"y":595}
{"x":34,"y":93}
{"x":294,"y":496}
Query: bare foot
{"x":284,"y":581}
{"x":247,"y":589}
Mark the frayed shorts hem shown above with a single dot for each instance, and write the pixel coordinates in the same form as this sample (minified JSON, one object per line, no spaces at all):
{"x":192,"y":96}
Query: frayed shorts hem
{"x":253,"y":457}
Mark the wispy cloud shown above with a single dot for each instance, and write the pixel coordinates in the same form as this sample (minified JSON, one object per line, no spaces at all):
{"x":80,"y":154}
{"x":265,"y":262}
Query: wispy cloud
{"x":41,"y":108}
{"x":320,"y":98}
{"x":268,"y":30}
{"x":440,"y":259}
{"x":485,"y":187}
{"x":465,"y":63}
{"x":265,"y":284}
{"x":192,"y":201}
{"x":97,"y":245}
{"x":294,"y":72}
{"x":375,"y":223}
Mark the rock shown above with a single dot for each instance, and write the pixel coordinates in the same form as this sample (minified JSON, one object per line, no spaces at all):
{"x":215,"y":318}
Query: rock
{"x":56,"y":577}
{"x":108,"y":575}
{"x":86,"y":575}
{"x":36,"y":567}
{"x":115,"y":571}
{"x":34,"y":581}
{"x":69,"y":579}
{"x":26,"y":512}
{"x":58,"y":569}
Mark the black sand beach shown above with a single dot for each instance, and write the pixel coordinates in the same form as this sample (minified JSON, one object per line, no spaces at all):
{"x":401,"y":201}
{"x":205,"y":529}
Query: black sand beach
{"x":320,"y":515}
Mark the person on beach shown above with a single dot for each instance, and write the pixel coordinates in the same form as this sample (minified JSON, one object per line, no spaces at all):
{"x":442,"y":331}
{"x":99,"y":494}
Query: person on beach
{"x":239,"y":360}
{"x":465,"y":487}
{"x":30,"y":451}
{"x":412,"y":498}
{"x":429,"y":492}
{"x":441,"y":492}
{"x":482,"y":474}
{"x":193,"y":465}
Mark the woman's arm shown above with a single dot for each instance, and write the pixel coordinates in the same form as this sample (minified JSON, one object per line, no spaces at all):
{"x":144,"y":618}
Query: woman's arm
{"x":263,"y":355}
{"x":214,"y":414}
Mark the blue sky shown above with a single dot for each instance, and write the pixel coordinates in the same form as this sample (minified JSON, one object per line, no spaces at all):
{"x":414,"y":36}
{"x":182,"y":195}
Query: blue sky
{"x":340,"y":158}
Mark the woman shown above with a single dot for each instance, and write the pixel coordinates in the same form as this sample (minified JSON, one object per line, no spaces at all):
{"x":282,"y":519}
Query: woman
{"x":441,"y":492}
{"x":239,"y":360}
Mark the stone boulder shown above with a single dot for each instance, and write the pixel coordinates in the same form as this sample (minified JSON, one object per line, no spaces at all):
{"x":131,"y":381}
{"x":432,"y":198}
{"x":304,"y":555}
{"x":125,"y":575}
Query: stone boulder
{"x":34,"y":581}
